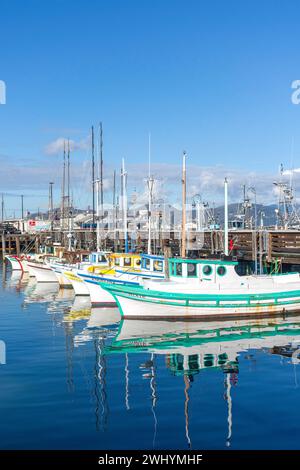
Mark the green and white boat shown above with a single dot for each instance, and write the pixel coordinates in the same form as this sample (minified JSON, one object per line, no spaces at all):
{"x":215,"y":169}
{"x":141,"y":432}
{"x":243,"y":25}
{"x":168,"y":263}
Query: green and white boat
{"x":202,"y":288}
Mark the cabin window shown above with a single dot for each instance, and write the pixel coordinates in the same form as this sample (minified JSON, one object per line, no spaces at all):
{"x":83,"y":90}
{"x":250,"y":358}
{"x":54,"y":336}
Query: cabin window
{"x":137,"y":263}
{"x":178,"y":269}
{"x":101,"y":259}
{"x":158,"y":266}
{"x":191,"y":270}
{"x":127,"y":262}
{"x":207,"y":270}
{"x":221,"y":270}
{"x":117,"y":261}
{"x":147,"y":264}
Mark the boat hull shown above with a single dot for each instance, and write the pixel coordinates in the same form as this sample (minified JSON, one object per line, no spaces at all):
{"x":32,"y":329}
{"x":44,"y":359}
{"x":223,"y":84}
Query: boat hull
{"x":42,"y":272}
{"x":142,"y":303}
{"x":132,"y":308}
{"x":99,"y":297}
{"x":15,"y":263}
{"x":79,"y":286}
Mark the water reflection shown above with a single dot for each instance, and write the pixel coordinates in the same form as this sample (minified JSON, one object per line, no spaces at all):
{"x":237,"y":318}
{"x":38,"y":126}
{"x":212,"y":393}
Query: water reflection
{"x":190,"y":347}
{"x":102,"y":346}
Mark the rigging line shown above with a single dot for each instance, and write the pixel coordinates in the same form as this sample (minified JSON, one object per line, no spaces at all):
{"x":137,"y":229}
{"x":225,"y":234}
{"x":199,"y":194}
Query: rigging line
{"x":154,"y":398}
{"x":229,"y":402}
{"x":186,"y":409}
{"x":127,"y":382}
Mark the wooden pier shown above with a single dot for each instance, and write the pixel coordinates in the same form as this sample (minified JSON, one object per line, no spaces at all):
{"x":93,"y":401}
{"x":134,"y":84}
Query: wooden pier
{"x":265,"y":245}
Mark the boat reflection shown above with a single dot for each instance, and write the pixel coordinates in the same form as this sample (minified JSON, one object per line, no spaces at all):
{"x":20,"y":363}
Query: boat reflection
{"x":79,"y":310}
{"x":190,"y":347}
{"x":101,"y":325}
{"x":40,"y":292}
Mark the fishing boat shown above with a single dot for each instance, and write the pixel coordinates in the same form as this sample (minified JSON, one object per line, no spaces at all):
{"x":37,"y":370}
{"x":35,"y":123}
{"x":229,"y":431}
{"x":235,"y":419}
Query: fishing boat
{"x":42,"y":272}
{"x":62,"y":268}
{"x":202,"y":288}
{"x":20,"y":263}
{"x":86,"y":277}
{"x":122,"y":268}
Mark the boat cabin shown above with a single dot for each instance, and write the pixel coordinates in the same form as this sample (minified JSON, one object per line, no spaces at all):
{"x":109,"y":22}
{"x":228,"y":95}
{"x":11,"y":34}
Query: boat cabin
{"x":124,"y":260}
{"x":152,"y":263}
{"x":98,"y":257}
{"x":202,"y":269}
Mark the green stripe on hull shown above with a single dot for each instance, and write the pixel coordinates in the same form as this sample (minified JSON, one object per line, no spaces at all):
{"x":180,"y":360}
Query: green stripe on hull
{"x":202,"y":300}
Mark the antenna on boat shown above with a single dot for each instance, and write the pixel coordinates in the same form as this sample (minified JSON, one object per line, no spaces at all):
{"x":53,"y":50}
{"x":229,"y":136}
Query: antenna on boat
{"x":150,"y":182}
{"x":114,"y":210}
{"x":124,"y":201}
{"x":62,"y":215}
{"x":226,"y":252}
{"x":101,"y":168}
{"x":183,"y":226}
{"x":93,"y":187}
{"x":98,"y":215}
{"x":68,"y":197}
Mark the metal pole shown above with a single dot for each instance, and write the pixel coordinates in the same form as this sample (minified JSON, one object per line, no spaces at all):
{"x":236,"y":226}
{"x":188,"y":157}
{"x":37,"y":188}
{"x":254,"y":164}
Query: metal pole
{"x":62,"y":212}
{"x":93,"y":186}
{"x":183,"y":226}
{"x":226,"y":250}
{"x":51,"y":204}
{"x":2,"y":208}
{"x":22,"y":206}
{"x":114,"y":210}
{"x":97,"y":182}
{"x":101,"y":169}
{"x":124,"y":200}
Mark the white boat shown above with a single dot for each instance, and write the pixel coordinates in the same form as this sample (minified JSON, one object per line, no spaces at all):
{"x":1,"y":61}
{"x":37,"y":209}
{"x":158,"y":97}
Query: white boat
{"x":202,"y":288}
{"x":20,"y":263}
{"x":42,"y":272}
{"x":85,"y":278}
{"x":15,"y":262}
{"x":128,"y":269}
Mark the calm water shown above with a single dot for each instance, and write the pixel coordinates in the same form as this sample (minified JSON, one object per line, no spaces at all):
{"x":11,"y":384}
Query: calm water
{"x":78,"y":379}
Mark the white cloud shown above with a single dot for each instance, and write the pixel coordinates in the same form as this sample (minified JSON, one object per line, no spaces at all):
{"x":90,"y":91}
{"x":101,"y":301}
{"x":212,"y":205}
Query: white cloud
{"x":57,"y":146}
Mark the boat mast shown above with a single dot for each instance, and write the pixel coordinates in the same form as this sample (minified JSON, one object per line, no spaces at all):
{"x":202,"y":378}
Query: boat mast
{"x":62,"y":215}
{"x":183,"y":227}
{"x":226,"y":252}
{"x":150,"y":194}
{"x":68,"y":197}
{"x":114,"y":211}
{"x":124,"y":201}
{"x":98,"y":241}
{"x":101,"y":168}
{"x":93,"y":189}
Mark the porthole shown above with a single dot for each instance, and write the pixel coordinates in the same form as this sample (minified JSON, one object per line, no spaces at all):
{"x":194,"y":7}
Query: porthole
{"x":221,"y":270}
{"x":207,"y":270}
{"x":191,"y":270}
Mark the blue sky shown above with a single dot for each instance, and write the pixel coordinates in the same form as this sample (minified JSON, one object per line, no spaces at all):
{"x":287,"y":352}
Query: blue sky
{"x":213,"y":78}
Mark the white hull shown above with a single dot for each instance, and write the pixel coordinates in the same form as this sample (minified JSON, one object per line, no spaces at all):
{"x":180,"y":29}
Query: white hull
{"x":135,"y":308}
{"x":42,"y":272}
{"x":99,"y":296}
{"x":79,"y":286}
{"x":15,"y":263}
{"x":63,"y":281}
